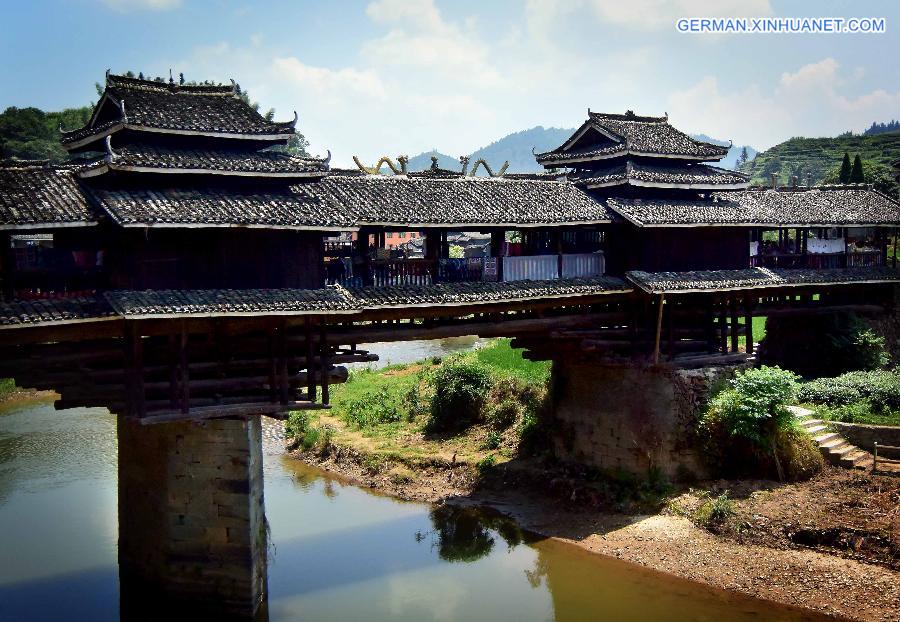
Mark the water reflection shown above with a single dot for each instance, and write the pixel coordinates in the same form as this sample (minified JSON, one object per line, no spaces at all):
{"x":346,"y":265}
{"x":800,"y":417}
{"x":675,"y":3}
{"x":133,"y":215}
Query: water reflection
{"x":466,"y":534}
{"x":338,"y":552}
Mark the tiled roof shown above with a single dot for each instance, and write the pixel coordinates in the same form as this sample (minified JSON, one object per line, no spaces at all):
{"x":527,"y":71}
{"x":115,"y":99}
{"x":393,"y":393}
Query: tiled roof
{"x":36,"y":194}
{"x":165,"y":106}
{"x":755,"y":278}
{"x":482,"y":292}
{"x":303,"y":206}
{"x":223,"y":162}
{"x":816,"y":207}
{"x":688,"y":175}
{"x":53,"y":311}
{"x":216,"y":302}
{"x":417,"y":201}
{"x":634,"y":134}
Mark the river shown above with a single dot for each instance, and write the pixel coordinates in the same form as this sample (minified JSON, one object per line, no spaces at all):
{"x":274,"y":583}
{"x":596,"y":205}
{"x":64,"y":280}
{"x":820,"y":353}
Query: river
{"x":337,"y":552}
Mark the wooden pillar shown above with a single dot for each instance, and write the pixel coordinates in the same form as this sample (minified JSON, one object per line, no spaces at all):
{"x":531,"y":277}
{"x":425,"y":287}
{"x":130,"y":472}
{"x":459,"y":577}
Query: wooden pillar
{"x":748,"y":326}
{"x":659,"y":318}
{"x":734,"y":325}
{"x":283,"y":381}
{"x":556,"y":243}
{"x":184,"y":379}
{"x":135,"y":358}
{"x":497,"y":240}
{"x":894,"y":262}
{"x":710,"y":322}
{"x":324,"y":358}
{"x":362,"y":252}
{"x":723,"y":327}
{"x":7,"y":267}
{"x":310,"y":363}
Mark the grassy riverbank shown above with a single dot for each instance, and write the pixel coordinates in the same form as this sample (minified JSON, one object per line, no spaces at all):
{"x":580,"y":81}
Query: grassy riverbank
{"x":386,"y":413}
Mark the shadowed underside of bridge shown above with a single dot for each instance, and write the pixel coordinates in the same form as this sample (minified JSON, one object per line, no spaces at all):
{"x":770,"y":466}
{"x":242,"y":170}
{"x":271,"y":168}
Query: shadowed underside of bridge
{"x":172,"y":355}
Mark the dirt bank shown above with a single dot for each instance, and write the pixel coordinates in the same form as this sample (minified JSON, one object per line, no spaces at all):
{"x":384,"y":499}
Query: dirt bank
{"x":755,"y":551}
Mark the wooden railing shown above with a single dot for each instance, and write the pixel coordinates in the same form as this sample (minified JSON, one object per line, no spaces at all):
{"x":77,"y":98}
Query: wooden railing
{"x":819,"y":260}
{"x":389,"y":272}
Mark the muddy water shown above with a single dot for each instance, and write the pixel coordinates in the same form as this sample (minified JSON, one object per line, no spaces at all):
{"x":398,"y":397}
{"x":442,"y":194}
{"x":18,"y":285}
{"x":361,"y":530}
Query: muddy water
{"x":337,"y":552}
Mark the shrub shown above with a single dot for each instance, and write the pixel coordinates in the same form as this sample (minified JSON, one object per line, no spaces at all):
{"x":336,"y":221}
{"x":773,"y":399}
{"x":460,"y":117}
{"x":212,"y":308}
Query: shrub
{"x":881,"y":389}
{"x":376,"y":408}
{"x":756,"y":405}
{"x":504,"y":414}
{"x":486,"y":464}
{"x":300,"y":428}
{"x":493,"y":440}
{"x":824,"y":345}
{"x":460,"y":394}
{"x":749,"y":430}
{"x":297,"y":424}
{"x":715,"y":511}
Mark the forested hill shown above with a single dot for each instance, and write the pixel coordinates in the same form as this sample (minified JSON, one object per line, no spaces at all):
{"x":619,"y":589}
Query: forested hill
{"x":32,"y":134}
{"x":821,"y":157}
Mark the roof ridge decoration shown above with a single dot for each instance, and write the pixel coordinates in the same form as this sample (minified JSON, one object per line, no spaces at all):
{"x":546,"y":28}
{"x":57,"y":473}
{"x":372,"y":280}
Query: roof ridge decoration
{"x":376,"y":170}
{"x":487,"y":167}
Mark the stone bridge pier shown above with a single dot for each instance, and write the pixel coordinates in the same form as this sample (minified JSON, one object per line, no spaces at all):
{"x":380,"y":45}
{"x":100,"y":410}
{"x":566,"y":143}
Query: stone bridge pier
{"x":192,"y":526}
{"x":630,"y":417}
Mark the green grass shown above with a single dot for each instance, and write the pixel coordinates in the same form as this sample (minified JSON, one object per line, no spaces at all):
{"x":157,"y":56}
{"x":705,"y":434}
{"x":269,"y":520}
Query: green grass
{"x":759,"y":330}
{"x":858,"y":412}
{"x":503,"y":360}
{"x":7,"y":386}
{"x":381,"y":403}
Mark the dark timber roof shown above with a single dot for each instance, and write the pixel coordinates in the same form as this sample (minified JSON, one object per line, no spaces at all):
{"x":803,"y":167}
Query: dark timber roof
{"x":814,"y":207}
{"x":686,"y":175}
{"x":172,"y":108}
{"x":36,"y":194}
{"x":53,"y":311}
{"x":302,"y":206}
{"x":418,"y":201}
{"x":474,"y":293}
{"x":152,"y":159}
{"x":219,"y":302}
{"x":756,"y":278}
{"x":629,"y":133}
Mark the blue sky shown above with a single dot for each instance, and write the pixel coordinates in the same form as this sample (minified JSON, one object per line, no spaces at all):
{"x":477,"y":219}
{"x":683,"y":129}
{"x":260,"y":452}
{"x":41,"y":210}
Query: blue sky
{"x":385,"y":77}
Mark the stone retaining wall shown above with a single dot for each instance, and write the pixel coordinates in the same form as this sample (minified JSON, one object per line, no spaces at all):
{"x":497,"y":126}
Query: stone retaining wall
{"x":864,"y":436}
{"x":630,"y":417}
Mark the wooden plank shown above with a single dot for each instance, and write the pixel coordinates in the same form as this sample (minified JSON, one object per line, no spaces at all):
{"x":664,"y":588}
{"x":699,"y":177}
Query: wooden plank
{"x":234,"y":410}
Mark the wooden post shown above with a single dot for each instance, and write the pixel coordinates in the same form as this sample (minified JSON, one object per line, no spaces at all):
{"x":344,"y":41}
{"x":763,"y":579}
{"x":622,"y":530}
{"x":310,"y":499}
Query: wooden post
{"x":723,"y":327}
{"x":556,"y":242}
{"x":734,"y":325}
{"x":310,"y":364}
{"x":894,"y":262}
{"x":659,"y":318}
{"x":324,"y":358}
{"x":748,"y":327}
{"x":184,"y":372}
{"x":362,"y":252}
{"x":7,"y":263}
{"x":283,"y":382}
{"x":273,"y":363}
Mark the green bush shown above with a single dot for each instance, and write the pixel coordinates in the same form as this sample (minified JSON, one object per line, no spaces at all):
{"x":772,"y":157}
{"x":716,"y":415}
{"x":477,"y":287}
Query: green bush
{"x":460,"y":394}
{"x":823,"y":345}
{"x":297,"y":424}
{"x":300,"y":428}
{"x":749,"y":431}
{"x":755,"y":405}
{"x":880,"y":389}
{"x":486,"y":464}
{"x":493,"y":440}
{"x":504,"y":414}
{"x":715,"y":510}
{"x":374,"y":409}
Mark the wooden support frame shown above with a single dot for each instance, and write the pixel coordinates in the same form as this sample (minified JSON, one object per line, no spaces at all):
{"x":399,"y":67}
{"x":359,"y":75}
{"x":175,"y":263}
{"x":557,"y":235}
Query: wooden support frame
{"x":659,"y":319}
{"x":325,"y":355}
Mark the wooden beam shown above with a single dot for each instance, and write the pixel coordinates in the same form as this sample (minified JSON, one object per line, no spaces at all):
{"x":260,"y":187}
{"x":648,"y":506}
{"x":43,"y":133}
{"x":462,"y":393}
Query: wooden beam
{"x":310,"y":365}
{"x":325,"y":362}
{"x":659,"y":318}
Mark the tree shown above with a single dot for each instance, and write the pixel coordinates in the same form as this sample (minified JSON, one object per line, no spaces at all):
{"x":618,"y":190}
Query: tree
{"x":844,"y":176}
{"x":742,"y":159}
{"x":856,"y":175}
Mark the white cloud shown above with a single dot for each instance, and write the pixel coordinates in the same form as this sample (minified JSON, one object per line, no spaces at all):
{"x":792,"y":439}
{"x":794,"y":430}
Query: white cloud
{"x":329,"y":83}
{"x":807,"y":102}
{"x":641,"y":14}
{"x":419,"y":37}
{"x":125,"y":6}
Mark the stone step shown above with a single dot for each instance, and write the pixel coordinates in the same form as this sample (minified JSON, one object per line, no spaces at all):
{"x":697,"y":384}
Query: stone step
{"x":844,"y":450}
{"x":825,"y":438}
{"x":813,"y":430}
{"x":810,"y":423}
{"x":833,"y":444}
